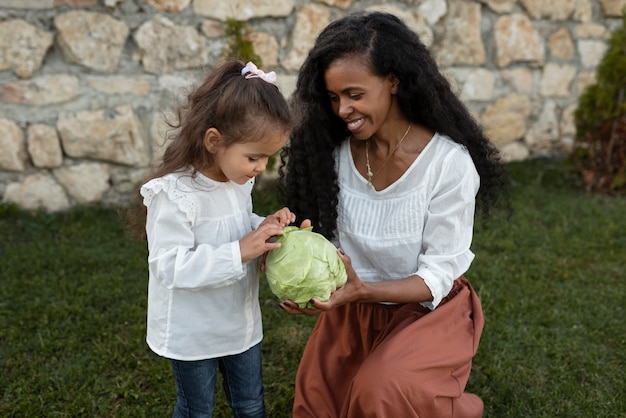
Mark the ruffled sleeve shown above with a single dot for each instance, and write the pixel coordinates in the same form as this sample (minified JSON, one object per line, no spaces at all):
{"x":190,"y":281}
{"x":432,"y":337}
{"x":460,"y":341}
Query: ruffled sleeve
{"x":177,"y":192}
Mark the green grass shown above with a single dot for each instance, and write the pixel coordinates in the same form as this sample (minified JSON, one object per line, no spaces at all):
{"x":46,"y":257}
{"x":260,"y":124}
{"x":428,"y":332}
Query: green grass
{"x":551,"y":279}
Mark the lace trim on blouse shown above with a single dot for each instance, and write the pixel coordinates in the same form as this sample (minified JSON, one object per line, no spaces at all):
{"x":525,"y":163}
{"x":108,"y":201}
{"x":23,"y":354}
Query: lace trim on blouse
{"x":177,"y":191}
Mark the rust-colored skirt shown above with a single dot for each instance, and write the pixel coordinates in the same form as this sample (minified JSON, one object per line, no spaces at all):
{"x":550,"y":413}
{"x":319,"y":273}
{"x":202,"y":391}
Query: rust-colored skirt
{"x":392,"y":361}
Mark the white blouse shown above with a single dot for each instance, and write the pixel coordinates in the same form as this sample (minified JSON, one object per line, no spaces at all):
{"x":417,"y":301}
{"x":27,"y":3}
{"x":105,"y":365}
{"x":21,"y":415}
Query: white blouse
{"x":202,"y":301}
{"x":422,"y":224}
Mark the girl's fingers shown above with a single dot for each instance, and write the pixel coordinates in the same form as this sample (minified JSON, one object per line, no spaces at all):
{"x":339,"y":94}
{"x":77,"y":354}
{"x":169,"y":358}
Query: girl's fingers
{"x":269,"y":246}
{"x":285,"y":216}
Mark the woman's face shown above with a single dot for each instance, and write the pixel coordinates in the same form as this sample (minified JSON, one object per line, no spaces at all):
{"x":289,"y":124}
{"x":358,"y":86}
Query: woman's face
{"x":363,"y":100}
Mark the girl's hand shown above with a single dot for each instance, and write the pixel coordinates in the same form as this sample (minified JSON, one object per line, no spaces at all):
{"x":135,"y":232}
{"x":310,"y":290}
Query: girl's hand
{"x":282,"y":217}
{"x":305,"y":224}
{"x":285,"y":216}
{"x":258,"y":242}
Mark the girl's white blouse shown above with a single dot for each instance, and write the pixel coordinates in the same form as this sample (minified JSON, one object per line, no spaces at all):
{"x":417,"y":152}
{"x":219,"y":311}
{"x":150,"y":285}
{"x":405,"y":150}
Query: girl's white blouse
{"x":202,"y":301}
{"x":422,"y":224}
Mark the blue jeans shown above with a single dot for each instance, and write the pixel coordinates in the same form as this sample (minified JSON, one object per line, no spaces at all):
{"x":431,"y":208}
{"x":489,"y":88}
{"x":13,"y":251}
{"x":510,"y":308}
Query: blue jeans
{"x":242,"y":383}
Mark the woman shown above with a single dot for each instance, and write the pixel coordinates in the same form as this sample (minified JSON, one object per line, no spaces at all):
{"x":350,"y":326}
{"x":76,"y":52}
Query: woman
{"x":387,"y":162}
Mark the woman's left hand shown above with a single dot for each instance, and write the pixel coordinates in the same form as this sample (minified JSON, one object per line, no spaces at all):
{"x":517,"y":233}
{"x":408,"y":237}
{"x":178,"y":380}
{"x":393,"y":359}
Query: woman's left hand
{"x":352,"y":291}
{"x":347,"y":293}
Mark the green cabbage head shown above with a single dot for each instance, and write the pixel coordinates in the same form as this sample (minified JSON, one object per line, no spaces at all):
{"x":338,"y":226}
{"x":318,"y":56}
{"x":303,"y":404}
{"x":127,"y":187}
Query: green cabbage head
{"x":306,"y":265}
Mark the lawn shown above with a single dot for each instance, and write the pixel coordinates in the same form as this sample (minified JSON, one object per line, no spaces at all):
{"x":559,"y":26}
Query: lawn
{"x":551,"y":279}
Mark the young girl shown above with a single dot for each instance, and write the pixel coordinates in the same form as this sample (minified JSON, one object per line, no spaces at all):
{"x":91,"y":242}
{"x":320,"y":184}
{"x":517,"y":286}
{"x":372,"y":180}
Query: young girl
{"x":388,"y":162}
{"x":204,"y":240}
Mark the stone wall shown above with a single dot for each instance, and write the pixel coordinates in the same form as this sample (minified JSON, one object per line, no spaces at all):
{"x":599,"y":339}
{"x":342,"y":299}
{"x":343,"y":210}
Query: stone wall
{"x":84,"y":83}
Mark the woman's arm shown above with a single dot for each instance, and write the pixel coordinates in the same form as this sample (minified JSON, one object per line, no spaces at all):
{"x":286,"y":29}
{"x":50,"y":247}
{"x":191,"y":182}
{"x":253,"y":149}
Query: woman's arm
{"x":446,"y":240}
{"x":408,"y":290}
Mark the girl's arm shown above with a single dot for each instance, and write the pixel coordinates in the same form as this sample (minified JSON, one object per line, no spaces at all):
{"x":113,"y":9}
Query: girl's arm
{"x":178,"y":261}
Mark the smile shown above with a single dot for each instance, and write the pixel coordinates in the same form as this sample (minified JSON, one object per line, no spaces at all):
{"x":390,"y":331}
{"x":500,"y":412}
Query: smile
{"x":356,"y":124}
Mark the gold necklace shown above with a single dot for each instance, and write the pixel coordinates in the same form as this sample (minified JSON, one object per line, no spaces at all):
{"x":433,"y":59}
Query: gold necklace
{"x":371,"y":175}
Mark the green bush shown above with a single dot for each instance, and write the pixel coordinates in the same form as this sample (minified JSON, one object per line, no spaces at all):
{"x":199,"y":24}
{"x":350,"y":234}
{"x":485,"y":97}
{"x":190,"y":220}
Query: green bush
{"x":600,"y":145}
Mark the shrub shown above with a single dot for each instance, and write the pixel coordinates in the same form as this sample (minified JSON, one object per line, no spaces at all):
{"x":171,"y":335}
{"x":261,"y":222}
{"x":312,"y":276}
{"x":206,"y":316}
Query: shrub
{"x":600,"y":145}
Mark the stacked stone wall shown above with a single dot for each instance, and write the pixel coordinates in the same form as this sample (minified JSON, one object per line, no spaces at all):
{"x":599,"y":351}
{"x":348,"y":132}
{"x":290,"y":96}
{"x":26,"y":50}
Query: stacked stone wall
{"x":84,"y":84}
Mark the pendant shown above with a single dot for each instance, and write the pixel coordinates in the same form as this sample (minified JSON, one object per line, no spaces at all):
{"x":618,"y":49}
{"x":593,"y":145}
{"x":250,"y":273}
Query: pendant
{"x":370,"y":175}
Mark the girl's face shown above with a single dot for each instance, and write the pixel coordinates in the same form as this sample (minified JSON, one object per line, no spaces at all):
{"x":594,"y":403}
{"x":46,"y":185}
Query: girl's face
{"x":363,"y":100}
{"x":240,"y":162}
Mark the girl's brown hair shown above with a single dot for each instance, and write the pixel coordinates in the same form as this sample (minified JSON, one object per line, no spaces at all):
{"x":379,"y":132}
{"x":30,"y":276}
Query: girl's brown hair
{"x":240,"y":108}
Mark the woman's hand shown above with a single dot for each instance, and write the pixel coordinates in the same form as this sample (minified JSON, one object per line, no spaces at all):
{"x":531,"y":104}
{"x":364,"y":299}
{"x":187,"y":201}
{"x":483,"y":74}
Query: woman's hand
{"x":292,"y":307}
{"x":305,"y":224}
{"x":351,"y":291}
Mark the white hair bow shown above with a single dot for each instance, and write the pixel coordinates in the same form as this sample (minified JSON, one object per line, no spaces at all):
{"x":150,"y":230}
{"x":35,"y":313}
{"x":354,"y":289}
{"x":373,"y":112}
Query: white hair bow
{"x":251,"y":71}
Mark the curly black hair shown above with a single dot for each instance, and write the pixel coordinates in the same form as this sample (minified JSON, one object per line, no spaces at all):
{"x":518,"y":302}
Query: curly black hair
{"x":308,"y":179}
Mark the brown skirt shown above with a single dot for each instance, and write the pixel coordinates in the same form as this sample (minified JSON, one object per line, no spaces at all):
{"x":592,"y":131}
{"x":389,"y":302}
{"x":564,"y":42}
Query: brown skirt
{"x":397,"y":361}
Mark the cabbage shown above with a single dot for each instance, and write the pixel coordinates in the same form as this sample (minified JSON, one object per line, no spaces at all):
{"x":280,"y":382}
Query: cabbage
{"x":306,"y":265}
